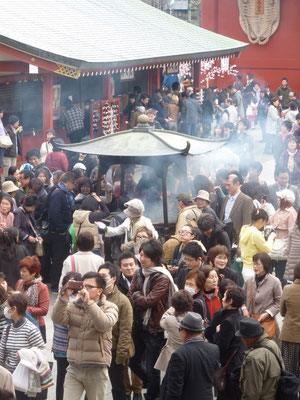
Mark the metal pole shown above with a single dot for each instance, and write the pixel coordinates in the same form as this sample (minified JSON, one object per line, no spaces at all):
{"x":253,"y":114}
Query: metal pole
{"x":165,"y":201}
{"x":189,"y":12}
{"x":122,"y":186}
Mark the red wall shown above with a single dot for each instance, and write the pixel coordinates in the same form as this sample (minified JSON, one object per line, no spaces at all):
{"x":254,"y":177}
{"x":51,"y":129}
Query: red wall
{"x":280,"y":57}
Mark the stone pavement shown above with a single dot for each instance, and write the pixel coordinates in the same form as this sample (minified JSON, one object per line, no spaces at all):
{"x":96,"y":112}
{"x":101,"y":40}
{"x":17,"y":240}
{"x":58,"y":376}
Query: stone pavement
{"x":267,"y":175}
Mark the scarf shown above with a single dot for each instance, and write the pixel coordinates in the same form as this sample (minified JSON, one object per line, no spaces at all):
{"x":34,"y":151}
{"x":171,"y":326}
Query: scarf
{"x":70,"y":198}
{"x":31,"y":291}
{"x":147,"y":272}
{"x":259,"y":279}
{"x":291,"y":161}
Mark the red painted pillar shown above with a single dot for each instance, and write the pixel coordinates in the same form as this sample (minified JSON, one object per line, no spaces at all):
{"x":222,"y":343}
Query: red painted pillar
{"x":197,"y":76}
{"x":156,"y":79}
{"x":47,"y":103}
{"x":149,"y":83}
{"x":210,"y":15}
{"x":106,"y":87}
{"x":153,"y":80}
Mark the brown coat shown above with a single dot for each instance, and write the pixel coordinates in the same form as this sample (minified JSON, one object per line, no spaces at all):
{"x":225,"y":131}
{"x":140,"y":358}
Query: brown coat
{"x":169,"y":247}
{"x":121,"y":332}
{"x":289,"y":309}
{"x":156,"y":299}
{"x":240,"y":214}
{"x":90,"y":329}
{"x":187,"y":215}
{"x":265,"y":297}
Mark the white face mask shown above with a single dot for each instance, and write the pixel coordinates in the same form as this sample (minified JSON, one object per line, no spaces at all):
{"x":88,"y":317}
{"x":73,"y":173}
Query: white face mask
{"x":190,"y":290}
{"x":108,"y":283}
{"x":6,"y":313}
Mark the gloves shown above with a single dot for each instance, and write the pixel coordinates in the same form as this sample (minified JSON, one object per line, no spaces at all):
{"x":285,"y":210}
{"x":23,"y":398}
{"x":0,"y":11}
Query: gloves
{"x":102,"y":228}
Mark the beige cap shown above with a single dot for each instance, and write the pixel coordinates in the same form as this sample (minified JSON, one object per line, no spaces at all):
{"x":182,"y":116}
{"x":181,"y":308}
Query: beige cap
{"x":9,"y":187}
{"x":135,"y":208}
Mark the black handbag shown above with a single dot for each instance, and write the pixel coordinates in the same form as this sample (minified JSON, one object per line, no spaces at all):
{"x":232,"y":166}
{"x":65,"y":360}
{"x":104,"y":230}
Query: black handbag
{"x":219,"y":380}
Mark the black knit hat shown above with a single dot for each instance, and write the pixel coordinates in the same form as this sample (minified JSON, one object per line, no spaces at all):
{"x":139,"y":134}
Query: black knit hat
{"x":13,"y":119}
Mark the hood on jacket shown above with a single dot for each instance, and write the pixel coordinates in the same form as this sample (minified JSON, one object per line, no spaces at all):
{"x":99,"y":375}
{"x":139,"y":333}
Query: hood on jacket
{"x":246,"y":233}
{"x":218,"y":227}
{"x":80,"y":215}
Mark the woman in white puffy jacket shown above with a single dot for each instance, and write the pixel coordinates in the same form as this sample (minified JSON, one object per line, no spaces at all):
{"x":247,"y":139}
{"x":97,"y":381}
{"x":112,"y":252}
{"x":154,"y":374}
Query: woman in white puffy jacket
{"x":272,"y":124}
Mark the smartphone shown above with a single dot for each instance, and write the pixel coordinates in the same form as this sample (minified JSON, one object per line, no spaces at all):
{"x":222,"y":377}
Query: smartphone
{"x":75,"y":285}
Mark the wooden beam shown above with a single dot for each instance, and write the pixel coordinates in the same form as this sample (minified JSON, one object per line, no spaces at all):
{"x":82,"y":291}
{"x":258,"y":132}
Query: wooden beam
{"x":27,"y":58}
{"x":14,"y":66}
{"x":19,"y":77}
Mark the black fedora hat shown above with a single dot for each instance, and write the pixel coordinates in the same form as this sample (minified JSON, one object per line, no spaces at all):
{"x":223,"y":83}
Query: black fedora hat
{"x":192,"y":322}
{"x":249,"y":328}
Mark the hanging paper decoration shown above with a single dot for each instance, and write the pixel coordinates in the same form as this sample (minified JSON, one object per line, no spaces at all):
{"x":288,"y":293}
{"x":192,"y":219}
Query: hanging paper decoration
{"x":210,"y":71}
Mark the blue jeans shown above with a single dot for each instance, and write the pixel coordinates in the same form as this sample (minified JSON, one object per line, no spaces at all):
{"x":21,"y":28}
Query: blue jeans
{"x":191,"y":129}
{"x":2,"y":151}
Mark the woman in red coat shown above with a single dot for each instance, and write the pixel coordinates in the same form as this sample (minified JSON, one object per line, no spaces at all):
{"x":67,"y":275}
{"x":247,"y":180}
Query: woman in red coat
{"x":37,"y":292}
{"x":207,"y":282}
{"x":57,"y":160}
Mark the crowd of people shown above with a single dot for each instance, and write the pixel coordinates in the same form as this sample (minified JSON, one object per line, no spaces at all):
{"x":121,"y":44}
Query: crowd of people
{"x":198,"y":309}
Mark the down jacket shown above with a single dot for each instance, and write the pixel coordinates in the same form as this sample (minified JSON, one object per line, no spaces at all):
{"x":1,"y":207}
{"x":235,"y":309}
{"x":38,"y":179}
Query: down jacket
{"x":90,"y":329}
{"x":293,"y":253}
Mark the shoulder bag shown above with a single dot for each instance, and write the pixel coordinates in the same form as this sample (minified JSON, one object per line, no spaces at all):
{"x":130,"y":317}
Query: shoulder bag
{"x":39,"y":249}
{"x":5,"y":142}
{"x":279,"y":249}
{"x":269,"y":324}
{"x":288,"y":384}
{"x":219,"y":380}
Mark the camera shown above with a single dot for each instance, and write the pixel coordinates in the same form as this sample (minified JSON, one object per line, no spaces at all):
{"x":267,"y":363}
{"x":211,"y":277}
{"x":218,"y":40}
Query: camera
{"x":268,"y":229}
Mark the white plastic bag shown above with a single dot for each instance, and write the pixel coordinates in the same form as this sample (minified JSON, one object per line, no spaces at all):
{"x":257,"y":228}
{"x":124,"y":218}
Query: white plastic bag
{"x":21,"y":378}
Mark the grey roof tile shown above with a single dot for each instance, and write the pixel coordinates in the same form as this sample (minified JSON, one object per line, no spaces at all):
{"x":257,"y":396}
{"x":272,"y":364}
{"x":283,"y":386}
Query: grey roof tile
{"x":103,"y":33}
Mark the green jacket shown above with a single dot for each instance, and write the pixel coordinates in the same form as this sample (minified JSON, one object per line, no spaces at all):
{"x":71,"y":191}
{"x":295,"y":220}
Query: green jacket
{"x":121,"y":333}
{"x":260,"y":371}
{"x":284,"y":92}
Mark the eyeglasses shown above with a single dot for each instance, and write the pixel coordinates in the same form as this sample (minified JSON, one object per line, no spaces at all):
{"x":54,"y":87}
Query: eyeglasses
{"x":90,"y":287}
{"x":184,"y":232}
{"x":142,"y":237}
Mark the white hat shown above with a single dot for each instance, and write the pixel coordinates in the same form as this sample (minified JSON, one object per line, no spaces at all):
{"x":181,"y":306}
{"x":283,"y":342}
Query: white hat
{"x":203,"y":194}
{"x":135,"y":208}
{"x":79,"y":165}
{"x":287,"y":195}
{"x":9,"y":187}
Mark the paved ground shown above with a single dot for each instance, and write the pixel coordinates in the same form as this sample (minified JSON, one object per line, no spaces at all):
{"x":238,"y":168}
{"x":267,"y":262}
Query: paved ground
{"x":267,"y":175}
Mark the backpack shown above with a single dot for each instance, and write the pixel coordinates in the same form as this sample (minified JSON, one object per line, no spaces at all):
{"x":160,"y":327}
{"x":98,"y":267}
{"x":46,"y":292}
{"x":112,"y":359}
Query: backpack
{"x":288,"y":384}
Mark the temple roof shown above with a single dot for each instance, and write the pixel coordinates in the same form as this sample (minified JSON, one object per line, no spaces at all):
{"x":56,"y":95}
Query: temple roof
{"x":102,"y":34}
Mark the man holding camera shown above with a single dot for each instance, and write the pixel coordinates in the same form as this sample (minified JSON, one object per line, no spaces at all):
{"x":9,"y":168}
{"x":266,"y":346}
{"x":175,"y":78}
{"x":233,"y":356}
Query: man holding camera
{"x":90,"y":319}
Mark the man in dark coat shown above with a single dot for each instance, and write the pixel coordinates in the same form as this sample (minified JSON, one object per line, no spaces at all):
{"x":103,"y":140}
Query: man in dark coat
{"x":192,"y":367}
{"x":128,"y":265}
{"x":59,"y":205}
